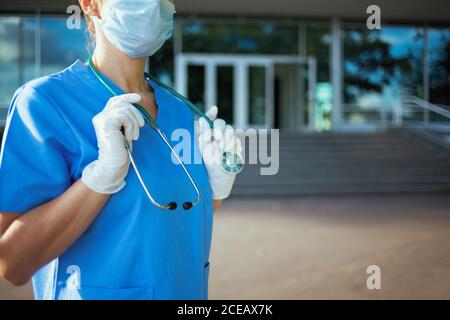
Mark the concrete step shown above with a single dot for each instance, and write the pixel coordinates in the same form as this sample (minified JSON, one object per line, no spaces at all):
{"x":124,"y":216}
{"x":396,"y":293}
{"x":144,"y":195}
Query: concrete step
{"x":296,"y":156}
{"x":398,"y":163}
{"x":353,"y":171}
{"x":365,"y":147}
{"x":340,"y":189}
{"x":350,"y":163}
{"x":328,"y":179}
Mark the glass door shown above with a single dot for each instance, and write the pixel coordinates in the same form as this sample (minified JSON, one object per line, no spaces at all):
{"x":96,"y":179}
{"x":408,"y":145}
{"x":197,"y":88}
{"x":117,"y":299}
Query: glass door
{"x":251,"y":91}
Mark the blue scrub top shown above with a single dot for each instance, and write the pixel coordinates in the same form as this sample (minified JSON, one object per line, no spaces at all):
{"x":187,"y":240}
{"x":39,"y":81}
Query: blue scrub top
{"x":132,"y":250}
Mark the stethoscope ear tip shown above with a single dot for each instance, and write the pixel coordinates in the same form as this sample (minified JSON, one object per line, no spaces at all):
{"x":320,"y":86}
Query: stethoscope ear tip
{"x":172,"y":206}
{"x":187,"y":205}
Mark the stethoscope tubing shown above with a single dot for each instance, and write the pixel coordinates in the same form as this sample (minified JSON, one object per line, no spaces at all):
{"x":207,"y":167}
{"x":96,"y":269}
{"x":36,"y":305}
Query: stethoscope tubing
{"x":152,"y":123}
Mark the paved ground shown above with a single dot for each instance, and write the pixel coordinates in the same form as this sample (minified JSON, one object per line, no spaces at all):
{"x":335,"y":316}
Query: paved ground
{"x":320,"y":247}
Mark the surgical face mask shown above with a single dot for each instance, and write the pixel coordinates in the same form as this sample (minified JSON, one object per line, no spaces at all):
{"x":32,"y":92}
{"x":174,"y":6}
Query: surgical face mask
{"x":138,"y":28}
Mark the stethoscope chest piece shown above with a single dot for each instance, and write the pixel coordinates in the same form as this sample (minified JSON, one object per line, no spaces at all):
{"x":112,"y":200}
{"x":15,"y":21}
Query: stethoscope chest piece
{"x":232,"y":163}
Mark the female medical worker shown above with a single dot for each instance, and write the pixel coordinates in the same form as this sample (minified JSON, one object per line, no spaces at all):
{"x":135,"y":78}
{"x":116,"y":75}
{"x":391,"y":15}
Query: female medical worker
{"x":74,"y":216}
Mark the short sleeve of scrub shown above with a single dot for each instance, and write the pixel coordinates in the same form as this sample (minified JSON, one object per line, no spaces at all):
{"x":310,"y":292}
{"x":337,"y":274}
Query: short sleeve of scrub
{"x":35,"y":158}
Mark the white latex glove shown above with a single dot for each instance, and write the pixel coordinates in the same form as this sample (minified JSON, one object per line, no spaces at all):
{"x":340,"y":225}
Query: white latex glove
{"x":107,"y":174}
{"x":212,"y":144}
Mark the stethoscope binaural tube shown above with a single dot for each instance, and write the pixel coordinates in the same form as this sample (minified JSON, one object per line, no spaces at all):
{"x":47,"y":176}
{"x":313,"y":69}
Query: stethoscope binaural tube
{"x":232,"y":163}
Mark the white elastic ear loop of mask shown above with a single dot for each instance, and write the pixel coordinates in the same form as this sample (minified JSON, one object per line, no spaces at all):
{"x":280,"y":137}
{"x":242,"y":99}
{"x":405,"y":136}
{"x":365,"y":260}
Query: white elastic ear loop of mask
{"x":169,"y":6}
{"x":104,"y":13}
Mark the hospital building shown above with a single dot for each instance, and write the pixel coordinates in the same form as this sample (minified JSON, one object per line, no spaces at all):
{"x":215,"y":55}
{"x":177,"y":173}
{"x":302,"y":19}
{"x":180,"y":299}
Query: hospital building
{"x":360,"y":107}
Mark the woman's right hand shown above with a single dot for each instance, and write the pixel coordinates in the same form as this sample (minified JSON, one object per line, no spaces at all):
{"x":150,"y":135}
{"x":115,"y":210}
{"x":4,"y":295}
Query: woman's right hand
{"x":107,"y":174}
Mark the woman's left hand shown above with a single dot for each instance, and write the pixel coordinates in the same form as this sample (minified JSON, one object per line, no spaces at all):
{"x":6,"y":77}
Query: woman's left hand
{"x":212,"y":144}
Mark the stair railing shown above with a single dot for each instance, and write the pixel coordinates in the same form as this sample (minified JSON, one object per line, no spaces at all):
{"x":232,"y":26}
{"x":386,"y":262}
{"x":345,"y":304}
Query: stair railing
{"x":411,"y":104}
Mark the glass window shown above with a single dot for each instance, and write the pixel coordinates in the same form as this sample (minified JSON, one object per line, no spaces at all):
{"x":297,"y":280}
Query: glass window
{"x":196,"y":85}
{"x":225,"y":92}
{"x":19,"y":63}
{"x":439,"y":58}
{"x":318,"y":46}
{"x":61,"y":46}
{"x":230,"y":36}
{"x":162,"y":63}
{"x":16,"y":56}
{"x":257,"y":86}
{"x":380,"y":66}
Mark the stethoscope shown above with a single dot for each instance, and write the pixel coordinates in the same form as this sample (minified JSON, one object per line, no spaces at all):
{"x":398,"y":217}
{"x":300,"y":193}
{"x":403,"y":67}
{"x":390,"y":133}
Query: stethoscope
{"x":232,"y":163}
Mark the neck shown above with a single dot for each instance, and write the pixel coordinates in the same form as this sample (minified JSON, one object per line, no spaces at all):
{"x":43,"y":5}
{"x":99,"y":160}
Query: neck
{"x":126,"y":72}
